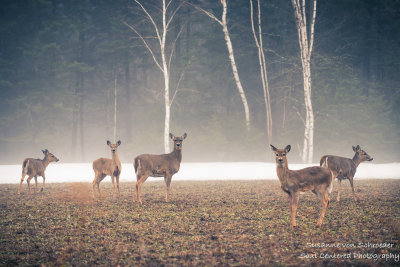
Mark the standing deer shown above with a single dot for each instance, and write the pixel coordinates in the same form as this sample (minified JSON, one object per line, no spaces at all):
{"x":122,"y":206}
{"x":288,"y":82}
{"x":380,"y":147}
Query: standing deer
{"x":345,"y":168}
{"x":103,"y":167}
{"x":164,"y":165}
{"x":35,"y":168}
{"x":319,"y":180}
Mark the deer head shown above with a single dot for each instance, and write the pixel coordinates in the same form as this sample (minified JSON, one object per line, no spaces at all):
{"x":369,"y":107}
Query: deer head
{"x":113,"y":146}
{"x":178,"y":141}
{"x":49,"y":156}
{"x":280,"y":155}
{"x":361,"y":154}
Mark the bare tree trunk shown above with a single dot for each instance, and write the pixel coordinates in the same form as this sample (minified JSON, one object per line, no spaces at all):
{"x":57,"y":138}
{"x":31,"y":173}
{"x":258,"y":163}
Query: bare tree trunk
{"x":166,"y":82}
{"x":306,"y":46}
{"x":239,"y":86}
{"x":263,"y":70}
{"x":164,"y":65}
{"x":115,"y":105}
{"x":128,"y":121}
{"x":77,"y":118}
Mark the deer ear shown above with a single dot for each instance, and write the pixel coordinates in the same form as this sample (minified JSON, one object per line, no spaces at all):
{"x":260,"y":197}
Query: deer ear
{"x":287,"y":148}
{"x":119,"y":142}
{"x":273,"y":148}
{"x":44,"y":151}
{"x":184,"y":136}
{"x":356,"y":148}
{"x":171,"y":136}
{"x":108,"y":143}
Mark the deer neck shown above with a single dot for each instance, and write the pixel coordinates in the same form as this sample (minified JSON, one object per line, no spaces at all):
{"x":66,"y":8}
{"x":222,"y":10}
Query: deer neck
{"x":45,"y":161}
{"x":356,"y":160}
{"x":177,"y":154}
{"x":282,"y":171}
{"x":115,"y":158}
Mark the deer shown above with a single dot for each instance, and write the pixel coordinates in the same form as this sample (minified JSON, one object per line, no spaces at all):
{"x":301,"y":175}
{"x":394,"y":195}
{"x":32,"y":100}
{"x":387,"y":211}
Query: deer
{"x":345,"y":168}
{"x":164,"y":165}
{"x":35,"y":168}
{"x":317,"y":179}
{"x":104,"y":166}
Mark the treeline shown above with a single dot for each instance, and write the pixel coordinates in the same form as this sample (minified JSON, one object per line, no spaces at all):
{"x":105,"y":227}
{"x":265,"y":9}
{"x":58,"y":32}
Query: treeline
{"x":61,"y":61}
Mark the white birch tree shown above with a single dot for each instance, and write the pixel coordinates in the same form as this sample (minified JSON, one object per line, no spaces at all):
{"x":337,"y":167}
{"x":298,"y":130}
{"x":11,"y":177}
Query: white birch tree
{"x":306,"y":42}
{"x":263,"y":69}
{"x":115,"y":106}
{"x":225,"y":30}
{"x":162,"y":61}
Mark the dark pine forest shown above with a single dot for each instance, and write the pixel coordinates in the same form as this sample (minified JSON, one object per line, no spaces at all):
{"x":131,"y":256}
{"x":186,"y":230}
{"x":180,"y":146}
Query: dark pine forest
{"x":61,"y":61}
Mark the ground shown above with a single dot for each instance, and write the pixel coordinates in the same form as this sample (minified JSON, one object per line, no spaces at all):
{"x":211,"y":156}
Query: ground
{"x":206,"y":223}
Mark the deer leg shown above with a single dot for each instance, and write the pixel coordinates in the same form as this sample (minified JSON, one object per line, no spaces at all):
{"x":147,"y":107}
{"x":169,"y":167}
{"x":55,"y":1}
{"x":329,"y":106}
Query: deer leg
{"x":167,"y":180}
{"x":117,"y":178}
{"x":113,"y":182}
{"x":352,"y":189}
{"x":325,"y":202}
{"x":35,"y":184}
{"x":29,"y":182}
{"x":294,"y":200}
{"x":94,"y":184}
{"x":44,"y":182}
{"x":98,"y":188}
{"x":339,"y":189}
{"x":94,"y":187}
{"x":20,"y":183}
{"x":140,"y":181}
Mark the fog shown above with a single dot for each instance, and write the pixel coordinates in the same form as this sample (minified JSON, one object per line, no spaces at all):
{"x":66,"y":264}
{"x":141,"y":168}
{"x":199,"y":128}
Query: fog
{"x":83,"y":172}
{"x":62,"y":62}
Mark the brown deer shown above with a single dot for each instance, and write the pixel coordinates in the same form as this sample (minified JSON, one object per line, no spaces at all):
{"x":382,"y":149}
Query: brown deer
{"x":103,"y":167}
{"x":35,"y":168}
{"x":345,"y":168}
{"x":319,"y":180}
{"x":164,"y":165}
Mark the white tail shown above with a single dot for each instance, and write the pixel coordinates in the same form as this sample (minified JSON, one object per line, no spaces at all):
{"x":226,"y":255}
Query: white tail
{"x":138,"y":168}
{"x":26,"y":167}
{"x":325,"y":163}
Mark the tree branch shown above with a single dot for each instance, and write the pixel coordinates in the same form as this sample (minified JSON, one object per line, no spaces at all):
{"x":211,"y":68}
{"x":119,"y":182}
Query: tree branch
{"x":151,"y":19}
{"x":312,"y":28}
{"x":173,"y":13}
{"x":146,"y":44}
{"x":211,"y":15}
{"x":173,"y":47}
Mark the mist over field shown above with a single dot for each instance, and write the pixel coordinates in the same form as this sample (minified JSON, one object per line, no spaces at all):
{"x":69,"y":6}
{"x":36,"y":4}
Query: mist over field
{"x":83,"y":172}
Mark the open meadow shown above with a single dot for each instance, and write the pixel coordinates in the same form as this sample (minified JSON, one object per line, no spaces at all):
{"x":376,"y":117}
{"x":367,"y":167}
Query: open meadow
{"x":206,"y":223}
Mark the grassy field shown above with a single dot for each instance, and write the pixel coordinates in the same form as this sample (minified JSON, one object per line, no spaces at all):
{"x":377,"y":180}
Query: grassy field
{"x":205,"y":223}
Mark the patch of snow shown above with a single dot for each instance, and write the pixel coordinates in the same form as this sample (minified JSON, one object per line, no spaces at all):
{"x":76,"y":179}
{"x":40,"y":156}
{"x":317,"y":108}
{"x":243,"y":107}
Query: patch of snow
{"x":83,"y":172}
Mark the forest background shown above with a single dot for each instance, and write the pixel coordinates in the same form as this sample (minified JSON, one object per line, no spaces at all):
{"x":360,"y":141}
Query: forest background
{"x":61,"y":62}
